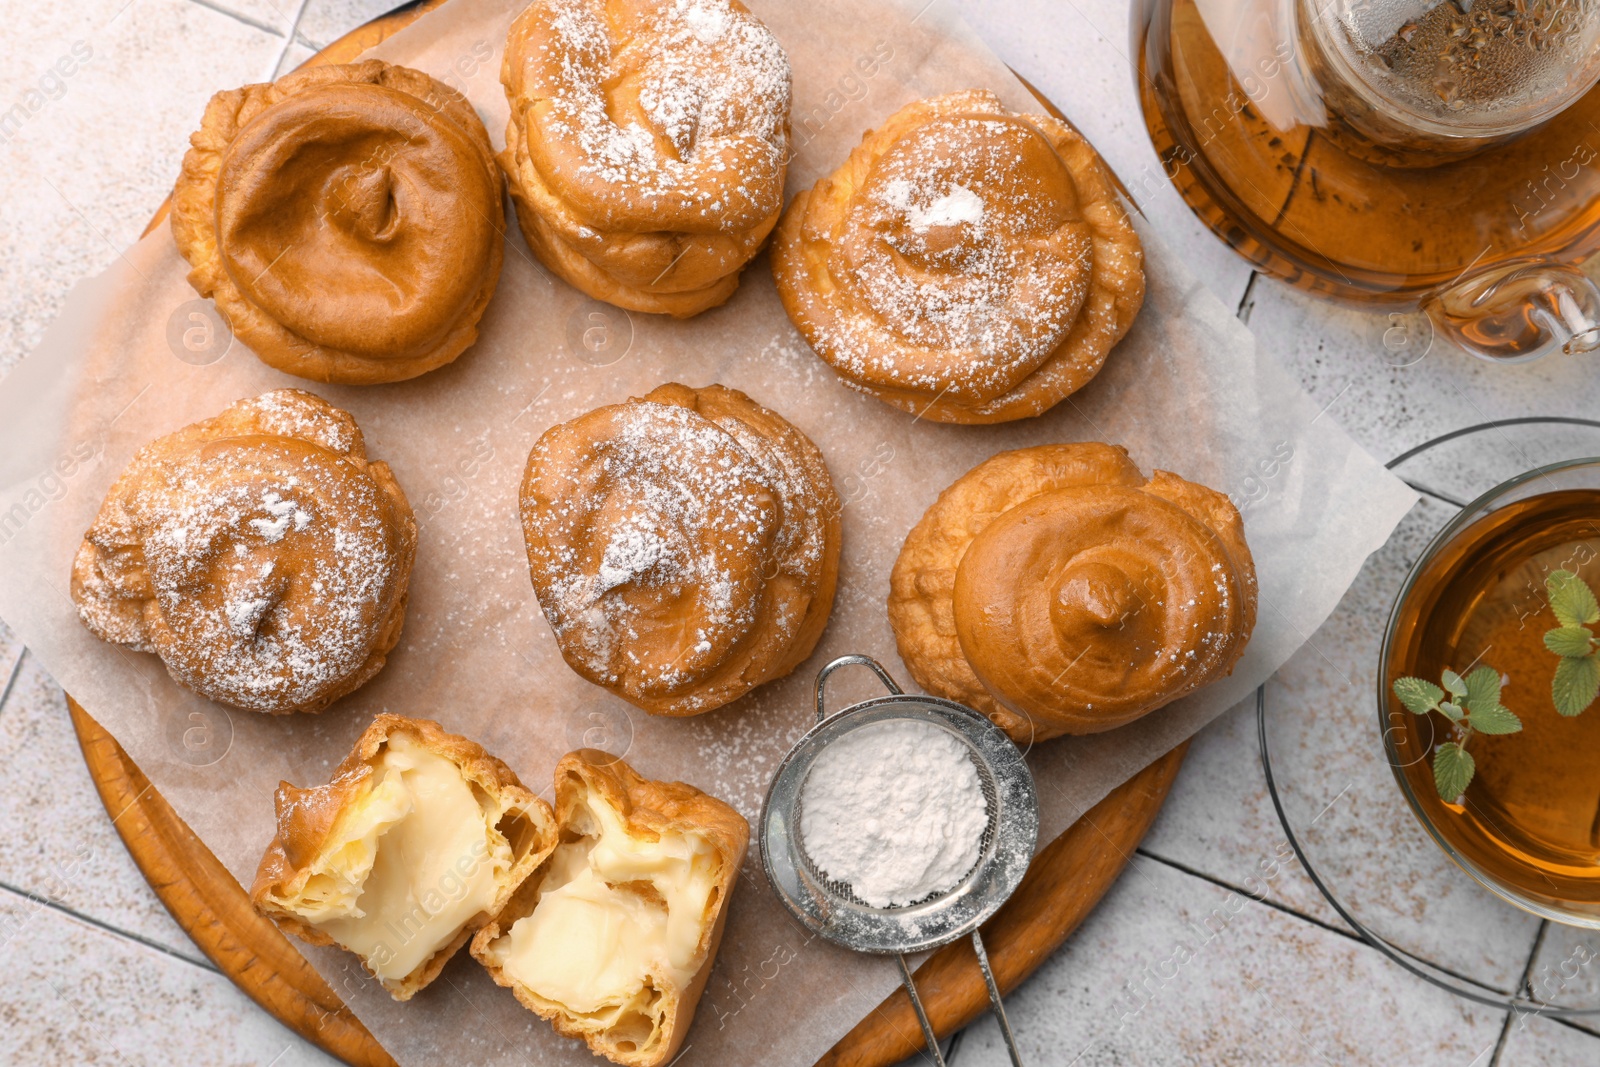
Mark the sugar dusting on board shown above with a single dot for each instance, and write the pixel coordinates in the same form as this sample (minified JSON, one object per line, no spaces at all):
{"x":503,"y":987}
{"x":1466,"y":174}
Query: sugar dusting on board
{"x":895,"y":810}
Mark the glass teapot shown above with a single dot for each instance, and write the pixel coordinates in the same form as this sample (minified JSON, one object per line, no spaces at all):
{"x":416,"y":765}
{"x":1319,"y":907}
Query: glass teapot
{"x":1441,"y":154}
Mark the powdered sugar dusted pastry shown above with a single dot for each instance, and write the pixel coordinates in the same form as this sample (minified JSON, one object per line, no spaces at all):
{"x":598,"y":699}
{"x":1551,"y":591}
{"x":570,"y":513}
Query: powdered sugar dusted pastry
{"x":346,"y":219}
{"x":647,"y":145}
{"x":419,"y":838}
{"x":1058,"y":590}
{"x":684,"y":547}
{"x":613,"y":938}
{"x":967,"y":263}
{"x":259,"y":553}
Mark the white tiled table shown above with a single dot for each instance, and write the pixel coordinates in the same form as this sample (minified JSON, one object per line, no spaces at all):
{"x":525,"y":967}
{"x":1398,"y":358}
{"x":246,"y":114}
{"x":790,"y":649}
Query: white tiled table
{"x":92,"y":970}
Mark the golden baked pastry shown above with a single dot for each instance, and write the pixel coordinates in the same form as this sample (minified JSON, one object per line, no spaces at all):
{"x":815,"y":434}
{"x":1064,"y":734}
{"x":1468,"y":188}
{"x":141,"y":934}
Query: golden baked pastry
{"x":684,"y":547}
{"x":346,"y":219}
{"x":613,"y":938}
{"x":967,"y":263}
{"x":647,"y":145}
{"x":1059,"y":591}
{"x":415,"y":843}
{"x":259,"y":553}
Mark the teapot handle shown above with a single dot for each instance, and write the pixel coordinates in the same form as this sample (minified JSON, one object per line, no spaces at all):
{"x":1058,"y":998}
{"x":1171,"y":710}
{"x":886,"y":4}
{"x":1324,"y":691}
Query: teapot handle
{"x":1518,"y":312}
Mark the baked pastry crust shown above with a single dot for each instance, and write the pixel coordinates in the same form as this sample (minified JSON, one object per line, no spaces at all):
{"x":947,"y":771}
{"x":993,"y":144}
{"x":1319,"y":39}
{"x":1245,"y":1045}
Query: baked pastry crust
{"x":259,"y":553}
{"x":348,"y":220}
{"x":647,"y":145}
{"x":684,"y":547}
{"x":1058,"y":590}
{"x":967,"y":263}
{"x":649,"y":812}
{"x":310,"y":822}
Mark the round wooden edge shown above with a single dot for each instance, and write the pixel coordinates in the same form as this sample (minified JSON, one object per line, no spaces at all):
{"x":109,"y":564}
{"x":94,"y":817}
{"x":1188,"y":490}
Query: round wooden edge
{"x":213,"y":909}
{"x":1062,"y":886}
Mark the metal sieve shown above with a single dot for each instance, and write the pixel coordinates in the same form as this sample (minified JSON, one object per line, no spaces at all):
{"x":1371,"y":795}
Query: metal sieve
{"x":831,"y":910}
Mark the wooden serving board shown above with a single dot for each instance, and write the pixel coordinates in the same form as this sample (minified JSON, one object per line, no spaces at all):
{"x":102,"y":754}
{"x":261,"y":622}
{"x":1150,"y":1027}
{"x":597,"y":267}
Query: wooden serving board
{"x":1064,"y":883}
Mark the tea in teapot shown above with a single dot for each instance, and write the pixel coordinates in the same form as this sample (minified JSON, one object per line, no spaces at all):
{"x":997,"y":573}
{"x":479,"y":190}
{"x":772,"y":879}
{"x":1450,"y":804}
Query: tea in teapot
{"x":1394,"y":153}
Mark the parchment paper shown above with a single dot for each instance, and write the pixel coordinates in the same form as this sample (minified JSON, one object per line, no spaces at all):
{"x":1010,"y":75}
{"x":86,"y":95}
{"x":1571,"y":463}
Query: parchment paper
{"x":130,"y":358}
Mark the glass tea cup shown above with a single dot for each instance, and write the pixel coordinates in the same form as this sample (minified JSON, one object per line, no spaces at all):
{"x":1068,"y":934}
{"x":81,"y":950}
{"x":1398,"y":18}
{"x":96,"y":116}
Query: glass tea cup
{"x":1527,"y":826}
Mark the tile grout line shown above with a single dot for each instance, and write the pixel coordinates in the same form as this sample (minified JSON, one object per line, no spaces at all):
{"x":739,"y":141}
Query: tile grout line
{"x":1285,"y":909}
{"x":955,"y":1041}
{"x":1586,"y":1027}
{"x":306,"y":42}
{"x":1221,"y":883}
{"x":11,"y":679}
{"x":289,"y":36}
{"x":1247,"y":302}
{"x":237,"y":16}
{"x":1571,"y":1025}
{"x":105,"y":927}
{"x":1443,"y":498}
{"x":1527,"y":971}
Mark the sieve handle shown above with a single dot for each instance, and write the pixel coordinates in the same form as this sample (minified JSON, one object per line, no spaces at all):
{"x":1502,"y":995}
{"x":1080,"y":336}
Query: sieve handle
{"x":846,"y":661}
{"x":928,"y":1035}
{"x":994,"y":999}
{"x":995,"y":1002}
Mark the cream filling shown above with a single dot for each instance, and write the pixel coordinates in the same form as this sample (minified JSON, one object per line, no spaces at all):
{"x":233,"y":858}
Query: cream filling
{"x":619,"y":918}
{"x":408,"y":865}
